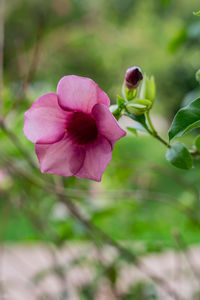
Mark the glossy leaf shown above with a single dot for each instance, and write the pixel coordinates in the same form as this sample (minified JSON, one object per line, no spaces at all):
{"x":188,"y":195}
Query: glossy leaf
{"x":186,"y":119}
{"x":132,"y":130}
{"x":179,"y":156}
{"x":197,"y":143}
{"x":197,"y":76}
{"x":140,"y":119}
{"x":196,"y":13}
{"x":135,"y":127}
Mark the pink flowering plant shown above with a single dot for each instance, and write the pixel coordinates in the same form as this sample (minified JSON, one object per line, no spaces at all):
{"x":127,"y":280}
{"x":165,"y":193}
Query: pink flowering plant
{"x":145,"y":204}
{"x":74,"y":130}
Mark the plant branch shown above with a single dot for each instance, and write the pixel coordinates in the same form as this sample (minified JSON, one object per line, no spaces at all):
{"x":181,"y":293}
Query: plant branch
{"x":128,"y":255}
{"x":14,"y":139}
{"x":153,"y":131}
{"x":94,"y":230}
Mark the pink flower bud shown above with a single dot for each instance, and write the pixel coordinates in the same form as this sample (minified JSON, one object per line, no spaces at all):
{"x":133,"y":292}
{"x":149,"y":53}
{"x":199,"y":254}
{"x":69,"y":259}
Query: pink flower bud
{"x":133,"y":77}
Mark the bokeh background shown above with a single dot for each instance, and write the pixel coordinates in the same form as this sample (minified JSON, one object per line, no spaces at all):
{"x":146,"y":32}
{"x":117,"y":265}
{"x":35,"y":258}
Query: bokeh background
{"x":142,"y":202}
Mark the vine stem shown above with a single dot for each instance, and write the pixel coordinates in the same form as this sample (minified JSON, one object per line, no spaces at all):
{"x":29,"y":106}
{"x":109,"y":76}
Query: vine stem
{"x":153,"y":131}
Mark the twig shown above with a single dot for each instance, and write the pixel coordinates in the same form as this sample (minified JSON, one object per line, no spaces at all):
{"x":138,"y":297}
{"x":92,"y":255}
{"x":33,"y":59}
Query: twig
{"x":128,"y":255}
{"x":125,"y":253}
{"x":14,"y":139}
{"x":182,"y":247}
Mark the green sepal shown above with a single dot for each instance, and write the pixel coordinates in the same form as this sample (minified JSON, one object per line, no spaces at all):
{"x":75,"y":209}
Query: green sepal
{"x":128,"y":94}
{"x":116,"y":109}
{"x":116,"y":112}
{"x":138,"y":106}
{"x":120,"y":102}
{"x":148,"y":88}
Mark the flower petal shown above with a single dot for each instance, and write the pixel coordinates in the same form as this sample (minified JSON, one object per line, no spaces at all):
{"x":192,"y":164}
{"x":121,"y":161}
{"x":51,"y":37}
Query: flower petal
{"x":103,"y":97}
{"x":45,"y":121}
{"x":80,"y":94}
{"x":63,"y":158}
{"x":107,"y":124}
{"x":98,"y":155}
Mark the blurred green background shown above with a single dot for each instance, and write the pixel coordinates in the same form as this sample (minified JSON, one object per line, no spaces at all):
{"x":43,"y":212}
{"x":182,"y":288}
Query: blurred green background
{"x":142,"y":200}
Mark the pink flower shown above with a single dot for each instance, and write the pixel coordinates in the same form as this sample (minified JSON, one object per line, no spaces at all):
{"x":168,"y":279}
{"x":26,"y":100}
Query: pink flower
{"x":73,"y":129}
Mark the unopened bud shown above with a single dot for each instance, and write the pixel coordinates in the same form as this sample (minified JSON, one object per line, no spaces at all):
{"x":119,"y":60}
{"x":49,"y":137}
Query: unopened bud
{"x":148,"y":88}
{"x":138,"y":106}
{"x":133,"y":77}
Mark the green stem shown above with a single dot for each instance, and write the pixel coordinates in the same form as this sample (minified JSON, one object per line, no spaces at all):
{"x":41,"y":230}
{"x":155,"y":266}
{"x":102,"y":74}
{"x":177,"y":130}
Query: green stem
{"x":153,"y":131}
{"x":147,"y":115}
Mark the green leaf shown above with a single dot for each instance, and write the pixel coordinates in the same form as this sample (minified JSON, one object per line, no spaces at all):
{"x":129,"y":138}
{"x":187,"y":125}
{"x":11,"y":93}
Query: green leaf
{"x":197,"y":76}
{"x":140,"y":119}
{"x":136,"y":127}
{"x":197,"y":143}
{"x":179,"y":156}
{"x":132,"y":130}
{"x":178,"y":40}
{"x":120,"y":102}
{"x":196,"y":13}
{"x":186,"y":119}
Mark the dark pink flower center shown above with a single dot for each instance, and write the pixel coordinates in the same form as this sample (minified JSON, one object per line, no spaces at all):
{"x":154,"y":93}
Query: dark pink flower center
{"x":82,"y":128}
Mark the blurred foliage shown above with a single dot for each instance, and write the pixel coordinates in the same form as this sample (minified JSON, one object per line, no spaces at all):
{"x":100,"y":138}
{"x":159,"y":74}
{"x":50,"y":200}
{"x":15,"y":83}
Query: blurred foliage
{"x":100,"y":39}
{"x":138,"y":198}
{"x":141,"y":291}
